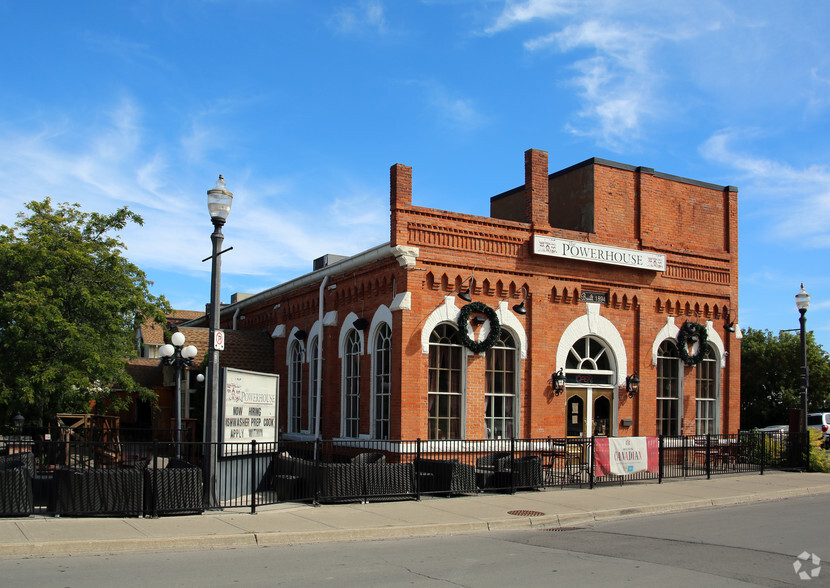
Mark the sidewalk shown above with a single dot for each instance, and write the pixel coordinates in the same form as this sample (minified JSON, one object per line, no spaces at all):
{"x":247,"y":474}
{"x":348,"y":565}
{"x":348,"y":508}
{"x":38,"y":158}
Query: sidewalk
{"x":289,"y":523}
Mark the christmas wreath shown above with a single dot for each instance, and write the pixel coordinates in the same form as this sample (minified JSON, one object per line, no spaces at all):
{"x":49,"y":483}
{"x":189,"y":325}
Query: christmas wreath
{"x":692,"y":332}
{"x":463,"y":322}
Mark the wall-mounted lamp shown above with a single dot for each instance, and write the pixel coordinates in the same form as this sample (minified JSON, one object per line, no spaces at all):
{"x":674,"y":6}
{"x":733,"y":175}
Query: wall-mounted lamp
{"x":557,"y":380}
{"x":520,"y":308}
{"x":632,"y":384}
{"x":728,"y":323}
{"x":479,"y":319}
{"x":361,"y":323}
{"x":301,"y":335}
{"x":466,"y":295}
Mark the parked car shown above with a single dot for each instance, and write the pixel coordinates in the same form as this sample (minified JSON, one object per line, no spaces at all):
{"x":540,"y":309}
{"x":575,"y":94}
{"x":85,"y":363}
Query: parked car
{"x":820,"y":421}
{"x":774,"y":429}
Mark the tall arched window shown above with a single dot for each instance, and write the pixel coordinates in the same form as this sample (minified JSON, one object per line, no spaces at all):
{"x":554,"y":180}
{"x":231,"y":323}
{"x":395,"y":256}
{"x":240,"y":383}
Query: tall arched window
{"x":445,"y":388}
{"x":351,"y":385}
{"x":314,"y":378}
{"x":500,"y":399}
{"x":706,"y":401}
{"x":668,"y":389}
{"x":295,"y":388}
{"x":382,"y":380}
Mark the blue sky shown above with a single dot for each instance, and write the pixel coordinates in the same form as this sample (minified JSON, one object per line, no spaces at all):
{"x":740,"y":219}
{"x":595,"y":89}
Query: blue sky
{"x":304,"y":106}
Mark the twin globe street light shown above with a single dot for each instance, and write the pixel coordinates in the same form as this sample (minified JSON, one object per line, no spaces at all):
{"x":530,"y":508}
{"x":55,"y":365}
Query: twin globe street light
{"x":176,"y":354}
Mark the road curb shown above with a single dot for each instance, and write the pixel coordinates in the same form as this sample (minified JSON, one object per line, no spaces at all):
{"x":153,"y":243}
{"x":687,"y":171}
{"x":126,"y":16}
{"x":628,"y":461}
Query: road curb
{"x":138,"y":544}
{"x":276,"y":538}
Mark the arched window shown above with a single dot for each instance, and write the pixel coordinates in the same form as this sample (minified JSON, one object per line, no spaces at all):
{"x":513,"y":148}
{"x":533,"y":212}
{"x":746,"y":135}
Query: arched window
{"x":706,"y":401}
{"x":500,"y":398}
{"x":351,"y":385}
{"x":445,"y":388}
{"x":382,"y":380}
{"x":314,"y":378}
{"x":668,"y":389}
{"x":295,"y":388}
{"x":590,"y":356}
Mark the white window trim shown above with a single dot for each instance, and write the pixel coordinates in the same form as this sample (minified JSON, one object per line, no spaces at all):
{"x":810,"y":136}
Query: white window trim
{"x":373,"y":391}
{"x":346,"y":328}
{"x":670,"y":331}
{"x":294,"y":343}
{"x":465,"y":353}
{"x":680,"y":388}
{"x":717,"y":400}
{"x":517,"y":381}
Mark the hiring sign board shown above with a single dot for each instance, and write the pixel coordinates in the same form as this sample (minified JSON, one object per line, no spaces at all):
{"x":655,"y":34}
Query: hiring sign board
{"x":249,"y":410}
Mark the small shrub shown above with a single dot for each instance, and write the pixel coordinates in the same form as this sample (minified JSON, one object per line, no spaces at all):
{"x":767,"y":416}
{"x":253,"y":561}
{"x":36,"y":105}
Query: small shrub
{"x":819,"y":459}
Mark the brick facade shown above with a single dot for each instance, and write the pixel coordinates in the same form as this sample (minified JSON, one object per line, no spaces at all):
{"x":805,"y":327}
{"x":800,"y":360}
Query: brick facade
{"x":413,"y":283}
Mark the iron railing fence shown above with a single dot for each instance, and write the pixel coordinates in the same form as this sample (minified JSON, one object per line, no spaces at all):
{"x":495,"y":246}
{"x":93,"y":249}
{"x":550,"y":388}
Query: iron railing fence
{"x":68,"y":476}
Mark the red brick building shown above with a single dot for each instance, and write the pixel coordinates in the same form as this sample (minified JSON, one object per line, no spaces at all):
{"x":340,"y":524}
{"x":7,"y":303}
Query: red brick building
{"x":608,"y":261}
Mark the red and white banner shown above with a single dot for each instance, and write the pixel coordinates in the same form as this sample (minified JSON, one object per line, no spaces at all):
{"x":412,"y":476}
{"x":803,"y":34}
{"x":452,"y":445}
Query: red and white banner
{"x":625,"y":455}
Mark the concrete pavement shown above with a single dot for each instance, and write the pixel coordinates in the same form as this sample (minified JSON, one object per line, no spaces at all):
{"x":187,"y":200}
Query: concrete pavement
{"x":290,"y":523}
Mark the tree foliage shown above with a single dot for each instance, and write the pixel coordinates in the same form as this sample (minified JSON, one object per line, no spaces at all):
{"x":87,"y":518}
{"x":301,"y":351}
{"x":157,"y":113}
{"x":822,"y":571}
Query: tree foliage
{"x":771,"y":377}
{"x":70,"y":303}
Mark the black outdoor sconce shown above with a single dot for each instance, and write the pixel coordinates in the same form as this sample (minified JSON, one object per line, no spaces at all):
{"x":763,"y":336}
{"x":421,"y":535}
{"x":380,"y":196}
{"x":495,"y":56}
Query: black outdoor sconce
{"x":361,"y":324}
{"x":558,"y":382}
{"x":632,"y":384}
{"x":728,"y":323}
{"x":467,"y":295}
{"x":520,"y":308}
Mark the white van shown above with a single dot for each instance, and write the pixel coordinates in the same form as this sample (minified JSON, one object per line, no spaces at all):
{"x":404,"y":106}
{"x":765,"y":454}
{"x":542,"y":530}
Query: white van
{"x":820,"y":421}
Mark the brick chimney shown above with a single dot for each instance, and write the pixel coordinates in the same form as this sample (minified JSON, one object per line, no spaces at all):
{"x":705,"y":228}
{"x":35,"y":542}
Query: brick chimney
{"x":400,"y":197}
{"x":536,"y":189}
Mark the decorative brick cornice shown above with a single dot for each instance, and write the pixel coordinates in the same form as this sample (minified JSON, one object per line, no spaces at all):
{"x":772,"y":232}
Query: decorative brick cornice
{"x":696,"y":273}
{"x":465,"y":240}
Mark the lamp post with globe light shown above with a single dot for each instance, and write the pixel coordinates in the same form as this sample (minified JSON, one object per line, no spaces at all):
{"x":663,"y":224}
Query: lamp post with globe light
{"x":219,"y":206}
{"x":802,"y":302}
{"x":179,"y":356}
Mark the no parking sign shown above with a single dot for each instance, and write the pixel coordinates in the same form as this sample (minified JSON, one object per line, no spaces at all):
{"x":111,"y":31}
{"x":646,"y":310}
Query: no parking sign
{"x":219,"y":341}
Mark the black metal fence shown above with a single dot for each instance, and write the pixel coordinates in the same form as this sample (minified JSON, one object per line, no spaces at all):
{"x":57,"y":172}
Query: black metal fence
{"x":72,"y":477}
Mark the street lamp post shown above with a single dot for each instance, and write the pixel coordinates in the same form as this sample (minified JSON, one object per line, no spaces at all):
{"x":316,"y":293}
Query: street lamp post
{"x":179,"y":356}
{"x":219,"y":205}
{"x":802,"y":302}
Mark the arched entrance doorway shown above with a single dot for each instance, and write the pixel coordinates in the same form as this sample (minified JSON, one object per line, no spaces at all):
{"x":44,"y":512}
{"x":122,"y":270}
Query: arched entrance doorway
{"x":589,"y":376}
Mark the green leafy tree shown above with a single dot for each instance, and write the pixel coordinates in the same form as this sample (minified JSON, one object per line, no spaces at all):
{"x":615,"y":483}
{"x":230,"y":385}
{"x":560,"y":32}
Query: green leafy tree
{"x":70,"y":303}
{"x":771,"y":377}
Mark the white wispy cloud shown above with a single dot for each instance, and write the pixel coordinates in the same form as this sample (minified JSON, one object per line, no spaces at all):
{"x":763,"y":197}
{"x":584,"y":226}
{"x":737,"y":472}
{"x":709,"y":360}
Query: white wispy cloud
{"x":367,"y":15}
{"x":110,"y":162}
{"x":797,"y":200}
{"x":450,"y":109}
{"x":615,"y":82}
{"x":516,"y":13}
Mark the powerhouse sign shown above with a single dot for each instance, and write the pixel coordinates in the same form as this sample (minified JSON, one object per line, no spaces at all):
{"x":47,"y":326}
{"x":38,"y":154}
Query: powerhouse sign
{"x":598,"y":253}
{"x":249,"y":409}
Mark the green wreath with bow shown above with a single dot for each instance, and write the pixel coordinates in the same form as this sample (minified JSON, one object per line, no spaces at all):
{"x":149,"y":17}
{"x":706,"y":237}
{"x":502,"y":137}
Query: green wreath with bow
{"x":692,"y":331}
{"x":464,"y":321}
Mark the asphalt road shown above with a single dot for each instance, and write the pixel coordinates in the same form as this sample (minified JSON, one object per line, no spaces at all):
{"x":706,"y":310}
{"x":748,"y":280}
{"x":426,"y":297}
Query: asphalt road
{"x":736,"y":546}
